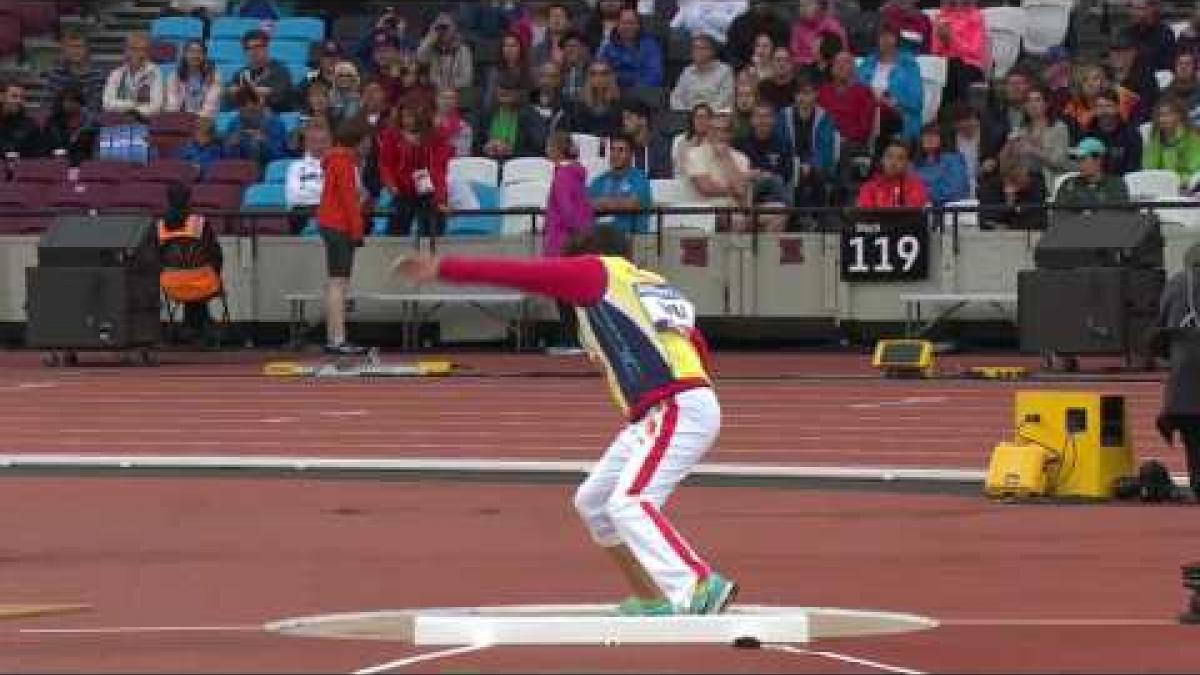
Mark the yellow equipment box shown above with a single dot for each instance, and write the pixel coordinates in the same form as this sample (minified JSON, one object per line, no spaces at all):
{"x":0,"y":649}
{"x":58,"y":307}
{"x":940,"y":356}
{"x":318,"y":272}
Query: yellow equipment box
{"x":1018,"y":470}
{"x":903,"y":358}
{"x":1087,"y":431}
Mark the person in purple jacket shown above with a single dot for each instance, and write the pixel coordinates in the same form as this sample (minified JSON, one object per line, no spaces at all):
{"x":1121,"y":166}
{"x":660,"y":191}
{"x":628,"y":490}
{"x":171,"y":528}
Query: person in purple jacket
{"x":568,"y":213}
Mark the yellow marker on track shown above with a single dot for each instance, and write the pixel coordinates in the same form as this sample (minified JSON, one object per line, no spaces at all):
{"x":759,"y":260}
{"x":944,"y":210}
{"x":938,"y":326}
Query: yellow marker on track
{"x":25,"y":611}
{"x":342,"y":369}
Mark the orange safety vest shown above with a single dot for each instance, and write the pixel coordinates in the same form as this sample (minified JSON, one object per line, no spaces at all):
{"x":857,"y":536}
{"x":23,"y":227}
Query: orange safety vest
{"x":199,"y":283}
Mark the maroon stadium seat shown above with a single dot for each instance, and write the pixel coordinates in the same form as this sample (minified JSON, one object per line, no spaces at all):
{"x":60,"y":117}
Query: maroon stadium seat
{"x":142,"y":197}
{"x":115,"y":119}
{"x":41,"y":171}
{"x":168,"y":145}
{"x":38,"y":17}
{"x":79,"y":196}
{"x":210,"y":197}
{"x":240,"y":172}
{"x":105,"y":171}
{"x":10,"y":35}
{"x":174,"y":123}
{"x":166,"y":171}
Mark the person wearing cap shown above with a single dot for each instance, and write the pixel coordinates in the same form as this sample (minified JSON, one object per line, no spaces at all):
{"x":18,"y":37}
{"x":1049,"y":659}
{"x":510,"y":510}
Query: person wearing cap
{"x":328,"y":56}
{"x":651,"y":151}
{"x":705,"y":80}
{"x":1176,"y":337}
{"x":1093,"y":186}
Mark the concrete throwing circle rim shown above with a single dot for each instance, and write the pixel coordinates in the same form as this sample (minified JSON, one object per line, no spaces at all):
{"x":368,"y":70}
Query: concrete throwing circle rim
{"x":596,"y":624}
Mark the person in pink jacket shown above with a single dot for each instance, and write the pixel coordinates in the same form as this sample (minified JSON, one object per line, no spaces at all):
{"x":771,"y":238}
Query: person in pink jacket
{"x":959,"y":34}
{"x":812,"y":19}
{"x":568,"y":209}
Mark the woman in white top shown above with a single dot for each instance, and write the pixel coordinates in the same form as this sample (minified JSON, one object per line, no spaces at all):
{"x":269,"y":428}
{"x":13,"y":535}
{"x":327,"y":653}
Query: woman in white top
{"x":699,"y":124}
{"x":194,"y":86}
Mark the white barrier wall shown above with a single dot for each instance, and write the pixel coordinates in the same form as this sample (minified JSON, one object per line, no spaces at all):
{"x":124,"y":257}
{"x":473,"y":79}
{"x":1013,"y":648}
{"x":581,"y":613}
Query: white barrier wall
{"x":787,"y":275}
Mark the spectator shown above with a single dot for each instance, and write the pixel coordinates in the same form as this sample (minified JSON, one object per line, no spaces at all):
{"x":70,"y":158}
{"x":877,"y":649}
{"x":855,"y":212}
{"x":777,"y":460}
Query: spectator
{"x":507,"y":128}
{"x":959,"y":34}
{"x":488,"y":19}
{"x":603,"y":20}
{"x":651,"y":152}
{"x":388,"y":63}
{"x":762,"y":62}
{"x":513,"y":65}
{"x":268,"y":77}
{"x":812,"y":19}
{"x":256,"y":133}
{"x":413,"y":163}
{"x":621,"y":193}
{"x":851,"y":105}
{"x":1132,"y":73}
{"x":446,"y":55}
{"x":546,"y":103}
{"x":191,"y":260}
{"x":1153,"y":39}
{"x":598,"y":111}
{"x":1122,"y":140}
{"x":1185,"y":86}
{"x":779,"y":88}
{"x":136,"y":85}
{"x":705,"y":17}
{"x":1188,"y":41}
{"x":1090,"y":80}
{"x":569,"y":209}
{"x":1021,"y":189}
{"x":204,"y":148}
{"x":943,"y":171}
{"x":1056,"y":75}
{"x":720,"y":175}
{"x":391,"y":32}
{"x":809,"y":132}
{"x":193,"y":87}
{"x":1007,"y":111}
{"x":373,"y":116}
{"x":448,"y":122}
{"x":979,"y":153}
{"x":317,"y":110}
{"x":342,"y":227}
{"x":634,"y":56}
{"x":575,"y":66}
{"x":1043,"y":141}
{"x":907,"y":20}
{"x":413,"y":86}
{"x":762,"y":16}
{"x":19,"y":133}
{"x":698,"y":128}
{"x":71,"y":128}
{"x":1093,"y":186}
{"x":329,"y":54}
{"x":264,"y":10}
{"x":550,"y":47}
{"x":820,"y":70}
{"x":1173,"y":144}
{"x":895,"y":184}
{"x":75,"y":70}
{"x":771,"y":166}
{"x":305,"y":180}
{"x":895,"y":79}
{"x":345,"y":98}
{"x":705,"y":80}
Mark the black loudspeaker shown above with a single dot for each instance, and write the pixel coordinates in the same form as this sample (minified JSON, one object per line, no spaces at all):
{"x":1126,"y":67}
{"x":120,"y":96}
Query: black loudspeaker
{"x":91,"y":308}
{"x":128,"y":242}
{"x":1101,"y":239}
{"x":1089,"y":310}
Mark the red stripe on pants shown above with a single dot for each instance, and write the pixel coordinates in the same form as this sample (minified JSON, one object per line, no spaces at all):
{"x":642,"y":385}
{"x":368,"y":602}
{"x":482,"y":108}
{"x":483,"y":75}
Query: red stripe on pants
{"x":677,"y":544}
{"x":659,"y":449}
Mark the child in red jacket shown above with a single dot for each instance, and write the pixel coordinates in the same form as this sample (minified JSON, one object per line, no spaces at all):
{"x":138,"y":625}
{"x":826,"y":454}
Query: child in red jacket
{"x":341,"y":221}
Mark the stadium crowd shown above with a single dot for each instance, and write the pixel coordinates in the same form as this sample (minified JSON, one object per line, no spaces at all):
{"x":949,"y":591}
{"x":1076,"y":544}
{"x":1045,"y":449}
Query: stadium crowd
{"x":721,"y":103}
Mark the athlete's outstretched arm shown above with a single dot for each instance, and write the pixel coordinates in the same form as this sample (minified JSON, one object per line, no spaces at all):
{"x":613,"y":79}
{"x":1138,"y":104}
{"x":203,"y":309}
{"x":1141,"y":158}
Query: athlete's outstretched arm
{"x":579,"y":280}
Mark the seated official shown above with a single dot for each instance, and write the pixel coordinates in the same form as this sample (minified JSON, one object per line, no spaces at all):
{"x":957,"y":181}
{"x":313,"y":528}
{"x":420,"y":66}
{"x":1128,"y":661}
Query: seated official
{"x":191,"y":260}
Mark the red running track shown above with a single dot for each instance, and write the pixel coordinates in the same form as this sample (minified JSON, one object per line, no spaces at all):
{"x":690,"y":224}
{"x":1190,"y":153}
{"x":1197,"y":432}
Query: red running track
{"x":231,"y":553}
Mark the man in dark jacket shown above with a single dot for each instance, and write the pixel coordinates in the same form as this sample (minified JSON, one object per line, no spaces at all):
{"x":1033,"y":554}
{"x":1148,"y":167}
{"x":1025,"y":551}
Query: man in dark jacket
{"x":19,"y":133}
{"x":1178,"y":338}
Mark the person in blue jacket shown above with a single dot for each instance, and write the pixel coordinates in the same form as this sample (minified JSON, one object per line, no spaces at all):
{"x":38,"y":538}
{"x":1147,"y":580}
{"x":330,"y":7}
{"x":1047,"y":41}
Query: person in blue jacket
{"x":256,"y":133}
{"x":635,"y":56}
{"x":895,"y":77}
{"x":809,"y":133}
{"x":944,"y":172}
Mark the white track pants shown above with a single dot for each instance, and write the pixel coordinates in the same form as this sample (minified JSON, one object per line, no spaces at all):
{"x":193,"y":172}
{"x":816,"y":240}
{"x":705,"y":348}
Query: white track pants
{"x":622,"y":498}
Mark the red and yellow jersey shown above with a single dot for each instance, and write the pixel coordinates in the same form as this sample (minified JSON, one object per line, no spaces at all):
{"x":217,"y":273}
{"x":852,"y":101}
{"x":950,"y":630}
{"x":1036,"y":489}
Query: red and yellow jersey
{"x":639,"y":327}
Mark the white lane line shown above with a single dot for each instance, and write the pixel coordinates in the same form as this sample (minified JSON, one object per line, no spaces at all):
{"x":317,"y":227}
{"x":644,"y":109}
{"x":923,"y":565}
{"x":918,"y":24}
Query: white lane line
{"x":120,"y":630}
{"x":844,"y":658}
{"x":419,"y":658}
{"x":1064,"y":623}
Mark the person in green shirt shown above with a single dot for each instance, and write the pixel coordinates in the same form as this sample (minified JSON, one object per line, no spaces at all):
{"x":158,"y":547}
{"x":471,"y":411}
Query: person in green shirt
{"x":1173,"y":144}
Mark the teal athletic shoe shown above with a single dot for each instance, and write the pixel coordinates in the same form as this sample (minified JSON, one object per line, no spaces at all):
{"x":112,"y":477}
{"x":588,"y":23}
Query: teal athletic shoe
{"x":713,"y":595}
{"x":635,"y":606}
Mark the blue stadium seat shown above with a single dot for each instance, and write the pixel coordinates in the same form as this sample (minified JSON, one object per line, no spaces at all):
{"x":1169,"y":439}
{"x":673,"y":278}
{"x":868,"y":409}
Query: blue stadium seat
{"x":177,"y":29}
{"x":291,"y":121}
{"x":381,"y":224}
{"x":300,"y":29}
{"x":277,"y":171}
{"x":223,"y":123}
{"x":299,"y":73}
{"x":226,"y":53}
{"x":264,"y":196}
{"x":289,"y":51}
{"x":232,"y":27}
{"x":167,"y":70}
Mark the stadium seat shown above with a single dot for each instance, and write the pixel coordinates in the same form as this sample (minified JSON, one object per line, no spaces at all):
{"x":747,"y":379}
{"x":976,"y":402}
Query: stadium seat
{"x":166,"y":171}
{"x":482,"y":169}
{"x":41,"y":171}
{"x":266,"y":197}
{"x":676,"y":192}
{"x":1153,"y":185}
{"x":1005,"y":29}
{"x":527,"y":169}
{"x":223,"y":123}
{"x":1046,"y":23}
{"x":37,"y":18}
{"x":10,"y":35}
{"x":78,"y":196}
{"x":483,"y":196}
{"x":299,"y":29}
{"x":1058,"y":183}
{"x":209,"y":199}
{"x":525,"y":194}
{"x":139,"y":196}
{"x":240,"y":172}
{"x":232,"y":28}
{"x":177,"y":28}
{"x":277,"y":171}
{"x":167,"y":70}
{"x":102,"y":171}
{"x":164,"y":51}
{"x":299,"y":73}
{"x":1164,"y":78}
{"x":289,"y":51}
{"x":933,"y":82}
{"x":173,"y":123}
{"x":594,"y":166}
{"x":227,"y":53}
{"x":589,"y":146}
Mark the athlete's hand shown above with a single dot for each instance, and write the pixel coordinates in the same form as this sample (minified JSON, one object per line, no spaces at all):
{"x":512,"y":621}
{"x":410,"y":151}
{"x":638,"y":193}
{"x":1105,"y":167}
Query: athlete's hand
{"x":418,"y":269}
